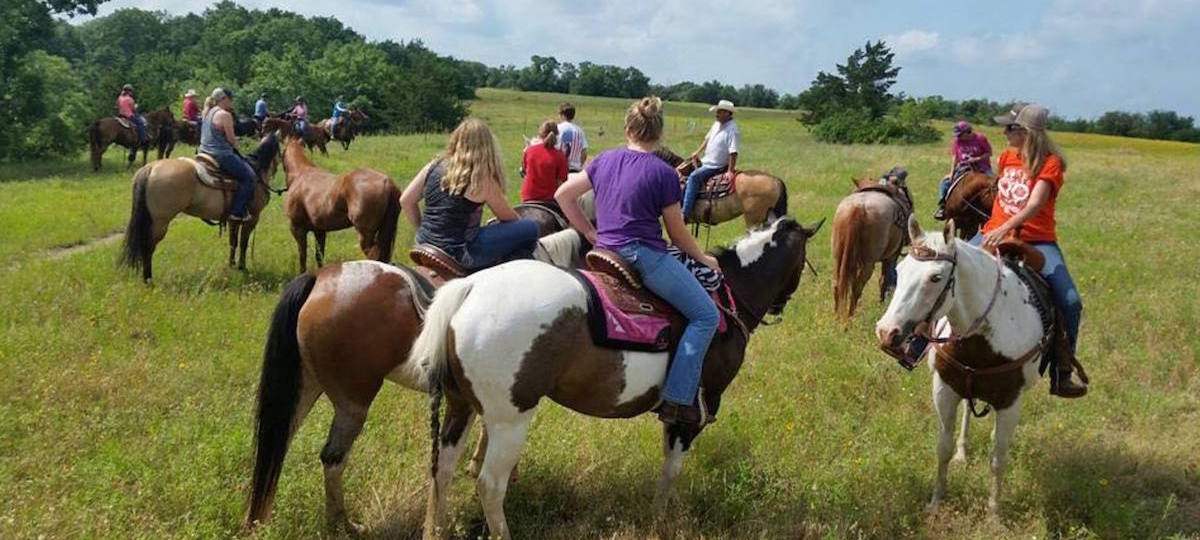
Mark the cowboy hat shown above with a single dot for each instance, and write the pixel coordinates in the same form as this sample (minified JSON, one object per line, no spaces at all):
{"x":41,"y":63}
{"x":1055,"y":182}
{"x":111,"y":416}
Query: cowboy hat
{"x":723,"y":105}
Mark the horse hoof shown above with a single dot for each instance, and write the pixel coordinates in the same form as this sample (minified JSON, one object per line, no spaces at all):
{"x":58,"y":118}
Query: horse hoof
{"x":959,"y":457}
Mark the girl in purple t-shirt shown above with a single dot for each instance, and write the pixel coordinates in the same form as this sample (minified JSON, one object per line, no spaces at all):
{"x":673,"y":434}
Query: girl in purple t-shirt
{"x":635,"y":190}
{"x":969,"y":149}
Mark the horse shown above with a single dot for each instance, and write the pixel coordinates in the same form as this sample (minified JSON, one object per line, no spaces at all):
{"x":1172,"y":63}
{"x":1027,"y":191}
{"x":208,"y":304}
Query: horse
{"x":347,"y":129}
{"x":313,"y":136}
{"x":165,"y":188}
{"x":106,"y":131}
{"x":868,"y":227}
{"x":342,"y":331}
{"x":757,"y":196}
{"x":320,"y":201}
{"x":969,"y":202}
{"x":993,"y":333}
{"x":496,"y":342}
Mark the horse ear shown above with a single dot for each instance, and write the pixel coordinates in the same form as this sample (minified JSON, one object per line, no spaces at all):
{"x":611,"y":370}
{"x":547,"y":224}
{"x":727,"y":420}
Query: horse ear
{"x":949,"y":232}
{"x":811,"y":230}
{"x":915,"y":234}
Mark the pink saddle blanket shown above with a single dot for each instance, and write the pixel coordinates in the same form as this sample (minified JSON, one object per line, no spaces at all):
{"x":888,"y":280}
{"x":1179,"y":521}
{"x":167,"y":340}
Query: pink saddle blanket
{"x":620,"y":317}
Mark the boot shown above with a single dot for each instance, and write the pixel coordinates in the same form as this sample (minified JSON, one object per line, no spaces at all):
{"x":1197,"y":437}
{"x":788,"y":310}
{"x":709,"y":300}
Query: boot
{"x":1062,"y":382}
{"x":940,"y":213}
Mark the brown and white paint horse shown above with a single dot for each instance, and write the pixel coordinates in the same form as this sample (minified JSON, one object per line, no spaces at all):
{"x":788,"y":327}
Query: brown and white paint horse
{"x":969,"y":203}
{"x":499,"y":362}
{"x":988,"y":315}
{"x":868,"y":228}
{"x":320,"y":201}
{"x":341,"y":331}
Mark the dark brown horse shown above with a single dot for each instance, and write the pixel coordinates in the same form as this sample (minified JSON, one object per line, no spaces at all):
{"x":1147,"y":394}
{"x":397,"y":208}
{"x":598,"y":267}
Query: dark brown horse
{"x":107,"y":131}
{"x":166,"y":188}
{"x":320,"y":201}
{"x":313,"y":137}
{"x":347,"y":129}
{"x":757,"y":196}
{"x":969,"y":203}
{"x":869,"y":227}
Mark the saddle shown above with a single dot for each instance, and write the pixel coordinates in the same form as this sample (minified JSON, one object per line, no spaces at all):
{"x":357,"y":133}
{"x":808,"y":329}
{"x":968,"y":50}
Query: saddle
{"x":548,"y":207}
{"x":125,"y":123}
{"x":440,"y":263}
{"x":210,"y":173}
{"x":622,"y":313}
{"x":715,"y":187}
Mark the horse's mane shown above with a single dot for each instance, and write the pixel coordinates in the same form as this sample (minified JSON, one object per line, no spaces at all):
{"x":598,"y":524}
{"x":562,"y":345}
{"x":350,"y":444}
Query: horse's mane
{"x":664,"y":153}
{"x":266,"y":151}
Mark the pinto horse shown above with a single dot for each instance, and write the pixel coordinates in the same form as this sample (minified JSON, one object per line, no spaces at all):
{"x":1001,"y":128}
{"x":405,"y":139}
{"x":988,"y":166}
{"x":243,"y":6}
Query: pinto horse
{"x":314,"y":136}
{"x":342,"y":331}
{"x":166,"y":188}
{"x":993,"y":333}
{"x":496,"y":342}
{"x":757,"y":196}
{"x":868,"y":227}
{"x":969,"y":202}
{"x":320,"y":201}
{"x":109,"y":130}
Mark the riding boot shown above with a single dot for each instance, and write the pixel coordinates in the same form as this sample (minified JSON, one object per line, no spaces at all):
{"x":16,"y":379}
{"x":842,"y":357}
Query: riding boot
{"x":940,"y":214}
{"x":1062,"y":381}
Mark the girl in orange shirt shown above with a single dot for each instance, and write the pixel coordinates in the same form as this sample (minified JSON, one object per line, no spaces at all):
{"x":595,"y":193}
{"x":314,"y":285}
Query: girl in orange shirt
{"x":1031,"y":173}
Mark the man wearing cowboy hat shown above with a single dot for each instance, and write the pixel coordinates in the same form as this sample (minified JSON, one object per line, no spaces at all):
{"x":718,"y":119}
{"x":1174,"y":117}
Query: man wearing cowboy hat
{"x":191,"y":111}
{"x":720,"y":149}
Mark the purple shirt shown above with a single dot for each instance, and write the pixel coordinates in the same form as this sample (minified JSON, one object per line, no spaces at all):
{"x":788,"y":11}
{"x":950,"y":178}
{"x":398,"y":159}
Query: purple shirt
{"x":976,"y":146}
{"x":632,"y":188}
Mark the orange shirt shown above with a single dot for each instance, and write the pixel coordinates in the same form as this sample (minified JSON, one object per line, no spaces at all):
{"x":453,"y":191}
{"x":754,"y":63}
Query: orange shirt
{"x":1013,"y":188}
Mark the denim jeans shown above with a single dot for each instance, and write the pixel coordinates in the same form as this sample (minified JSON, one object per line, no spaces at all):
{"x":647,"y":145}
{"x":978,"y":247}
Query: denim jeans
{"x":1062,"y":290}
{"x":301,"y":127}
{"x":670,"y":279}
{"x":499,"y":242}
{"x":139,"y":123}
{"x":943,"y":189}
{"x":237,"y":166}
{"x":695,"y":183}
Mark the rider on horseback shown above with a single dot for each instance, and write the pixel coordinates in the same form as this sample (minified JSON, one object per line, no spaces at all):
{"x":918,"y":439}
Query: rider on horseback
{"x":127,"y":109}
{"x":545,"y":167}
{"x":299,"y":115}
{"x":339,"y":110}
{"x":260,"y":108}
{"x":635,"y":189}
{"x":971,"y":152}
{"x":455,"y":187}
{"x":218,"y":140}
{"x":720,"y":148}
{"x":191,"y":111}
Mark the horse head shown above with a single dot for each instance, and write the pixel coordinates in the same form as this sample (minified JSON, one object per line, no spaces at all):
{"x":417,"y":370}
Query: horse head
{"x":774,"y":254}
{"x":925,"y":290}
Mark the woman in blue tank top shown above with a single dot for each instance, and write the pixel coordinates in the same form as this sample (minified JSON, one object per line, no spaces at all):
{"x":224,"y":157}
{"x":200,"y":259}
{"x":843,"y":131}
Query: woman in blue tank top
{"x":455,"y":187}
{"x":217,"y":140}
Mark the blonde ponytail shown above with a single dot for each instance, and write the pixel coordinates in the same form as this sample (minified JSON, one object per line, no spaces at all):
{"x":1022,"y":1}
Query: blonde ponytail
{"x":644,"y":120}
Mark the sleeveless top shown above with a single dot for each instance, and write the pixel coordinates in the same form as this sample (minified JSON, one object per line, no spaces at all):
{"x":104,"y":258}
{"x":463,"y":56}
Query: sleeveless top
{"x":212,"y":140}
{"x":449,"y":221}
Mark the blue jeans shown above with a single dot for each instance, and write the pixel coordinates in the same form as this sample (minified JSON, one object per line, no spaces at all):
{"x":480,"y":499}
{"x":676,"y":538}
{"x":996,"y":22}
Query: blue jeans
{"x":1062,"y":290}
{"x":695,"y":183}
{"x":499,"y":242}
{"x":943,"y":189}
{"x":139,"y":124}
{"x":236,"y":166}
{"x":668,"y":278}
{"x":301,"y":127}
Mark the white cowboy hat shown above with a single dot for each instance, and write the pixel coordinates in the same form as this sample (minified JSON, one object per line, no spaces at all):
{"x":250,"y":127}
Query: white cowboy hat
{"x":189,"y":93}
{"x":723,"y":105}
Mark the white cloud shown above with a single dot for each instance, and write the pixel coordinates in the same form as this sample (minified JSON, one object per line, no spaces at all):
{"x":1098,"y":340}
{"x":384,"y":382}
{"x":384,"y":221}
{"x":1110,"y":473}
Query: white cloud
{"x":913,"y":41}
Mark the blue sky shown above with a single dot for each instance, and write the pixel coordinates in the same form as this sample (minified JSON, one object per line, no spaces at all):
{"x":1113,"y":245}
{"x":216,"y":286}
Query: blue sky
{"x":1078,"y":57}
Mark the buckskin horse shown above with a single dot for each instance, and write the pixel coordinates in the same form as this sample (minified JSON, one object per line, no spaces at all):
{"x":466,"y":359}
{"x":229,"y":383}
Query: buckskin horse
{"x":493,"y":348}
{"x":166,"y":188}
{"x":314,"y":136}
{"x":969,"y":202}
{"x":757,"y":196}
{"x":320,"y":201}
{"x":868,"y":227}
{"x":989,"y":332}
{"x":342,"y":331}
{"x":106,"y":131}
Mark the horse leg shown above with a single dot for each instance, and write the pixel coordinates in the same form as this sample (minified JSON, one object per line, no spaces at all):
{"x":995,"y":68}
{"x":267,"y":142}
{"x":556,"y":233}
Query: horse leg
{"x":234,"y":229}
{"x":158,"y":230}
{"x":945,"y":402}
{"x":887,"y":279}
{"x":1006,"y":424}
{"x":132,"y":158}
{"x":347,"y":424}
{"x":319,"y":252}
{"x":960,"y":451}
{"x":301,"y":237}
{"x":505,"y":441}
{"x":674,"y":449}
{"x":244,"y":242}
{"x":476,"y":464}
{"x":451,"y":442}
{"x":366,"y":242}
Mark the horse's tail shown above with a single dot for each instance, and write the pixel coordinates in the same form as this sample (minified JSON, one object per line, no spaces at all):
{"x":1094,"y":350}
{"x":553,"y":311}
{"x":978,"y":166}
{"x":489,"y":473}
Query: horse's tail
{"x":845,"y":258}
{"x":278,"y":395}
{"x":138,"y":245}
{"x":781,"y":203}
{"x":385,"y":237}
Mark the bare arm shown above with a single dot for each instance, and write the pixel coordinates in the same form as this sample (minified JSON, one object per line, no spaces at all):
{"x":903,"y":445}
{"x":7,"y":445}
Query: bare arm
{"x":673,"y":218}
{"x":567,"y":196}
{"x":224,"y":120}
{"x":412,"y":196}
{"x":498,"y":203}
{"x":1037,"y":199}
{"x":732,"y":164}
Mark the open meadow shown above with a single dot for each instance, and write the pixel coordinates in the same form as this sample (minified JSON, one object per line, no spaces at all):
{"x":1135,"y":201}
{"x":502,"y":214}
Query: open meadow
{"x":125,"y":409}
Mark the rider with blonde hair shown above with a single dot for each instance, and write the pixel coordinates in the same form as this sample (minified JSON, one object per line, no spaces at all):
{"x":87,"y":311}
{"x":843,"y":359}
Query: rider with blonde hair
{"x":1031,"y":173}
{"x":635,"y":190}
{"x":455,"y":187}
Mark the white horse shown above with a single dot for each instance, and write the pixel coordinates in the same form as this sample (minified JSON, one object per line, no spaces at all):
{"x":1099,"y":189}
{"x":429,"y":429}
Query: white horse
{"x":993,"y":335}
{"x":500,"y":340}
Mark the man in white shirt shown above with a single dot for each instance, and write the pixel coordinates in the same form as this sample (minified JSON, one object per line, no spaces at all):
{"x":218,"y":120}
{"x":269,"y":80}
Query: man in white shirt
{"x":720,"y":149}
{"x":571,"y":140}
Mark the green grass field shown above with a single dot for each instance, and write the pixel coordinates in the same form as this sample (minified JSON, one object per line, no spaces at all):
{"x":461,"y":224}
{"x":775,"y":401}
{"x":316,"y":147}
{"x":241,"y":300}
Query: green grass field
{"x":125,"y":410}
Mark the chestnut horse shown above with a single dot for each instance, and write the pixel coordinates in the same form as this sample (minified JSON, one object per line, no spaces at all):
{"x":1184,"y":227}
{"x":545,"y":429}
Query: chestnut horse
{"x":347,"y":129}
{"x":109,"y":130}
{"x":494,"y":349}
{"x":166,"y":188}
{"x":868,"y":227}
{"x":343,"y":331}
{"x":757,"y":196}
{"x":320,"y":201}
{"x":314,"y":136}
{"x":969,"y":202}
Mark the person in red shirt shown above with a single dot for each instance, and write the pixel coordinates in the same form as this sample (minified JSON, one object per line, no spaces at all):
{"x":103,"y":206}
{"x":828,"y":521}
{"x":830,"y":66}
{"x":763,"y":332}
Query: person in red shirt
{"x":191,"y":111}
{"x":1030,"y":179}
{"x":127,"y":109}
{"x":545,"y":166}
